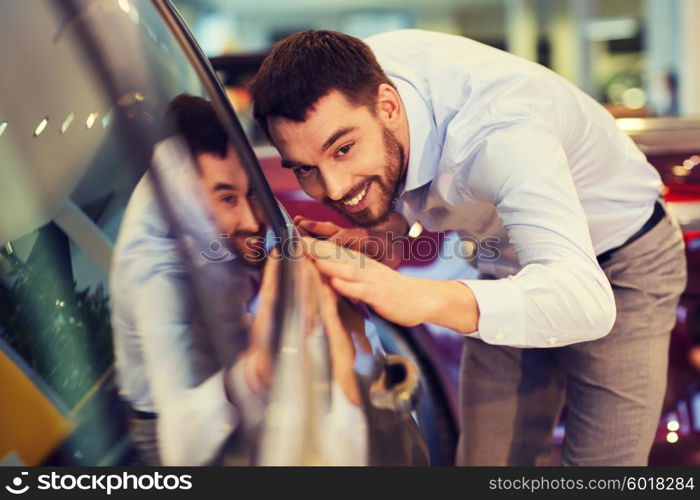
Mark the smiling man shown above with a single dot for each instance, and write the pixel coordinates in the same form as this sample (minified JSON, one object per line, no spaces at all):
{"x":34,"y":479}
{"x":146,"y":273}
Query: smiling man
{"x":367,"y":203}
{"x":464,"y":137}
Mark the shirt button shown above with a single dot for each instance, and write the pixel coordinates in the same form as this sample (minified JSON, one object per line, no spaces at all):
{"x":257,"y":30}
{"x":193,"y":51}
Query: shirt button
{"x":500,"y":335}
{"x":552,"y":340}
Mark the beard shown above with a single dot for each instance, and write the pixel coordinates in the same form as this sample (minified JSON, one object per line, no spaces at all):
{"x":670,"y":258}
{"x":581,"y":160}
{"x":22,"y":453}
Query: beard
{"x":251,"y":251}
{"x":386,"y":188}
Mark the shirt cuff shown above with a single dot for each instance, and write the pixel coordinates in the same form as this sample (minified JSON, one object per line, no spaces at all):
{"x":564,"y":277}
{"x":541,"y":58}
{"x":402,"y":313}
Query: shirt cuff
{"x":501,"y":312}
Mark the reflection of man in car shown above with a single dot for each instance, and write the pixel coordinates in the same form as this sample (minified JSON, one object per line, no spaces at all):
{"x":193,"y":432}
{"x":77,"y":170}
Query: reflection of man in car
{"x":463,"y":137}
{"x":176,"y":368}
{"x":225,"y":184}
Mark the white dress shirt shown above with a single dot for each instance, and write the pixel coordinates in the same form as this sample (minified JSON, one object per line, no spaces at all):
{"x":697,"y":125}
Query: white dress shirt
{"x":503,"y":148}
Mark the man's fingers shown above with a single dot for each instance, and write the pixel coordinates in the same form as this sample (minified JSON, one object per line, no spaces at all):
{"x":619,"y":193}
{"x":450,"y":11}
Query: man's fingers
{"x":351,"y":289}
{"x":298,"y":219}
{"x":272,"y":265}
{"x":334,"y":261}
{"x":268,"y":296}
{"x":328,"y":250}
{"x":311,"y":281}
{"x":318,"y":228}
{"x":339,"y":269}
{"x":304,"y":232}
{"x":328,"y":308}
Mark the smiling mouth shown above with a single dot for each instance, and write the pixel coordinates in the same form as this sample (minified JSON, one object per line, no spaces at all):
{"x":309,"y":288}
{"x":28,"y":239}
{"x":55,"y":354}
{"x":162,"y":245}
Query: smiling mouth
{"x":357,"y":199}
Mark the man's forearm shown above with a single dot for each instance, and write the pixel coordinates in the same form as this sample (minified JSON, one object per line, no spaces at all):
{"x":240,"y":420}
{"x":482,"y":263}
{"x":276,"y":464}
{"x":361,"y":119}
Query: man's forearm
{"x":450,"y":304}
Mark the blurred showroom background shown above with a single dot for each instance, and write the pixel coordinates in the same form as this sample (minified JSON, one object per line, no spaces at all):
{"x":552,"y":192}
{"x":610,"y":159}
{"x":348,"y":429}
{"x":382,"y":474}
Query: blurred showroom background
{"x":639,"y":57}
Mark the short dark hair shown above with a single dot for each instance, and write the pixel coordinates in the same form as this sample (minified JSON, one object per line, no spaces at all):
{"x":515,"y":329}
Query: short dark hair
{"x":306,"y":66}
{"x":195,"y":119}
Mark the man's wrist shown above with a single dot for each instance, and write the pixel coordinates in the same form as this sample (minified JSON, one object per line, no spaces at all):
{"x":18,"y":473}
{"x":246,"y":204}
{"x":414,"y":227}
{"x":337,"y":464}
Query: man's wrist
{"x":451,"y":304}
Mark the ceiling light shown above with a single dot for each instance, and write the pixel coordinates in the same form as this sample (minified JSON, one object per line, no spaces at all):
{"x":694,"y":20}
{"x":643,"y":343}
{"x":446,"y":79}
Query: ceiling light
{"x":125,"y":6}
{"x":90,"y":120}
{"x":41,"y":127}
{"x":67,"y":122}
{"x":106,"y":119}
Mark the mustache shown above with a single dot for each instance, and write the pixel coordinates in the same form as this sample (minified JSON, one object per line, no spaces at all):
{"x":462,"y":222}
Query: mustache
{"x":350,"y":194}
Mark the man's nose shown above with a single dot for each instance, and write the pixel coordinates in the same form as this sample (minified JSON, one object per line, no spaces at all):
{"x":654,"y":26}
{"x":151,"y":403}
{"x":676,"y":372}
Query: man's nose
{"x":249,"y":222}
{"x":336,"y":182}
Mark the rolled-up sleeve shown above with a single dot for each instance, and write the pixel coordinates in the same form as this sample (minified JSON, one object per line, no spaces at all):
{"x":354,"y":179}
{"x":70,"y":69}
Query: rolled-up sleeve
{"x":195,"y":416}
{"x":560,"y":295}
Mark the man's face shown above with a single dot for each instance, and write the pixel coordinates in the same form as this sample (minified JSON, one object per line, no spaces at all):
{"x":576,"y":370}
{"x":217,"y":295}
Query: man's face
{"x":344,"y":156}
{"x":233,"y":204}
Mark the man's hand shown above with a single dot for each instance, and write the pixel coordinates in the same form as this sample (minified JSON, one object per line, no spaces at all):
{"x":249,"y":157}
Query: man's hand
{"x":400,"y":299}
{"x":257,"y":357}
{"x":344,"y":330}
{"x":384,"y":244}
{"x":343,"y":327}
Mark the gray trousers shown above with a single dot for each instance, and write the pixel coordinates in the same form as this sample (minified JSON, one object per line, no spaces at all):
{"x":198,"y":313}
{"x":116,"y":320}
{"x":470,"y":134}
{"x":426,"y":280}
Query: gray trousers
{"x":613,"y":388}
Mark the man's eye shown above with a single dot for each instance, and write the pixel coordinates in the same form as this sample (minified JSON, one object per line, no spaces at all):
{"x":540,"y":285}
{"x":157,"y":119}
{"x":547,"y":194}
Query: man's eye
{"x":303,"y":170}
{"x":342,"y":151}
{"x":229,"y":199}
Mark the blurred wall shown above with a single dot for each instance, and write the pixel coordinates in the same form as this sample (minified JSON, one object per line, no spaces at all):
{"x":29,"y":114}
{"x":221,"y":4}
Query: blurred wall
{"x":638,"y":56}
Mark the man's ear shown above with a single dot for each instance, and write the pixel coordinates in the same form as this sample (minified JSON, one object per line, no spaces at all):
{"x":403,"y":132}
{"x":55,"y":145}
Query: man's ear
{"x":389,"y":105}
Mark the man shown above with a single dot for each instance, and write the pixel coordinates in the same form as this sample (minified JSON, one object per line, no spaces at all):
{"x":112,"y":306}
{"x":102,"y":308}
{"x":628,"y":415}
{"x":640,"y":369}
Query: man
{"x":464,"y":137}
{"x":191,"y":382}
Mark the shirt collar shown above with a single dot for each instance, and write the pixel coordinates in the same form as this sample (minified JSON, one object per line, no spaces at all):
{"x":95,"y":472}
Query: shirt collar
{"x":424,"y":150}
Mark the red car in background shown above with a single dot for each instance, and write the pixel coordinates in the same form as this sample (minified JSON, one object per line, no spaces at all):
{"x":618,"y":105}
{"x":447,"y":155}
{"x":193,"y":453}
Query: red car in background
{"x":672,"y":145}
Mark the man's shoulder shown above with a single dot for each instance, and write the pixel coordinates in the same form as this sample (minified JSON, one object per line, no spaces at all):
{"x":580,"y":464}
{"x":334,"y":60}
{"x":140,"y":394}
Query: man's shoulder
{"x":432,"y":45}
{"x":444,"y":66}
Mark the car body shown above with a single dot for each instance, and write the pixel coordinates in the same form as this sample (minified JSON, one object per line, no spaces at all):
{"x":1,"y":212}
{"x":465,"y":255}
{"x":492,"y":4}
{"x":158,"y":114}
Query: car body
{"x":82,"y":121}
